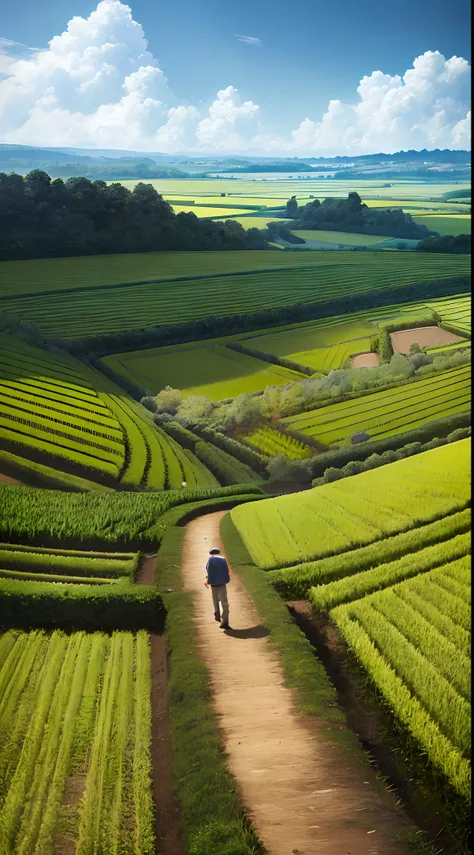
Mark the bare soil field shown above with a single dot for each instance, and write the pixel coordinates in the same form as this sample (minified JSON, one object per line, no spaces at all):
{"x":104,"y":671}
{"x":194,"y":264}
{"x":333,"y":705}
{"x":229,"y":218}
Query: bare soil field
{"x":423,"y":337}
{"x":365,"y":360}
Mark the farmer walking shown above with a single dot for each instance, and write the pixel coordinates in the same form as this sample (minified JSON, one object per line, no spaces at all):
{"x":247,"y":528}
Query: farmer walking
{"x":218,"y":578}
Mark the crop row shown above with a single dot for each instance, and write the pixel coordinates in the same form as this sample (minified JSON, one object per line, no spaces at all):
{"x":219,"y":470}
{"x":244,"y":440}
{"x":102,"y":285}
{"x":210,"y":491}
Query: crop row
{"x":326,"y":596}
{"x":271,"y":442}
{"x":48,"y":515}
{"x":382,"y":413}
{"x":76,"y":728}
{"x":357,"y":510}
{"x":294,"y":582}
{"x":66,"y":564}
{"x":96,"y":311}
{"x":410,"y":653}
{"x":46,"y":275}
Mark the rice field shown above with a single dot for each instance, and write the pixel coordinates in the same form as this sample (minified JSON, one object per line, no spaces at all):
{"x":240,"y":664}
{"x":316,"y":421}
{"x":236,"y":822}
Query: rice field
{"x":97,"y":311}
{"x":388,"y":412}
{"x":413,"y":640}
{"x":64,"y":415}
{"x":75,"y":764}
{"x":205,"y":368}
{"x":271,"y":442}
{"x":29,"y":563}
{"x":358,"y":510}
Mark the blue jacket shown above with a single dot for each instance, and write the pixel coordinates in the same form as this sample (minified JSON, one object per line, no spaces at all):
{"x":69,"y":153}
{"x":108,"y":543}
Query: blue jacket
{"x":217,"y":570}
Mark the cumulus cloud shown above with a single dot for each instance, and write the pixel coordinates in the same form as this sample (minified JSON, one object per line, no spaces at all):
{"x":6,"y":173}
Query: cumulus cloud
{"x":98,"y":85}
{"x":219,"y":129}
{"x":426,"y":108}
{"x":250,"y":40}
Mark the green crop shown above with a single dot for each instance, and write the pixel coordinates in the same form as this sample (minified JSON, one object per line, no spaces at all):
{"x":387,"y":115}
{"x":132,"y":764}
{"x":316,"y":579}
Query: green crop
{"x":357,"y":510}
{"x":78,"y":704}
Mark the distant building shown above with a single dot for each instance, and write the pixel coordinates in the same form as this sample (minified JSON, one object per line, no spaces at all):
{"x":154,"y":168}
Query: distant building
{"x":360,"y":436}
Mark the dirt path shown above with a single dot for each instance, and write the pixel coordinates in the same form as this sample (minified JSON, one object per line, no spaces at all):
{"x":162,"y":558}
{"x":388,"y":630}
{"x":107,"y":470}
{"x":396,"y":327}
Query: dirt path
{"x":146,"y":570}
{"x":303,"y":794}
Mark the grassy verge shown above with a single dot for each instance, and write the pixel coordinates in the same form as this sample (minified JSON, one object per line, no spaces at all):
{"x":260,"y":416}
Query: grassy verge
{"x":212,"y":817}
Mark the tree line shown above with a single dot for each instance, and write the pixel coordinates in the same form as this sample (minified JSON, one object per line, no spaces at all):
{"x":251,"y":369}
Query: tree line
{"x":41,"y":217}
{"x":353,"y":215}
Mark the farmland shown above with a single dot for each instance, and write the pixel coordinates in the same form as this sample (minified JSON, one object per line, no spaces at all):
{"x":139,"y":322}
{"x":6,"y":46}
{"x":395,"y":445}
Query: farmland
{"x":72,"y":419}
{"x":451,"y":224}
{"x":388,"y":412}
{"x":339,"y":237}
{"x":97,"y":311}
{"x":75,"y":760}
{"x":199,"y":369}
{"x":356,"y":511}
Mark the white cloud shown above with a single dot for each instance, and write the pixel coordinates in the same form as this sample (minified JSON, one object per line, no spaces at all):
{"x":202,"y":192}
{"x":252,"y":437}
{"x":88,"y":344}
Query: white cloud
{"x":218,"y":131}
{"x":98,"y":85}
{"x":250,"y":40}
{"x":426,"y":108}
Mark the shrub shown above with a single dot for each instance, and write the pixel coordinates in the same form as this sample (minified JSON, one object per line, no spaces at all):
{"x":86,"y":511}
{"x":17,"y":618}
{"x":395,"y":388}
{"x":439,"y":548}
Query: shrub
{"x":409,"y":449}
{"x":459,"y":433}
{"x":353,"y":468}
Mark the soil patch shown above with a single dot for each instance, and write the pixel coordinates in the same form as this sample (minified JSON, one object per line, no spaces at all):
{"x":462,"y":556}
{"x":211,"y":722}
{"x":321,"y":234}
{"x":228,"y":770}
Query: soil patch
{"x":66,"y":844}
{"x":5,"y":479}
{"x":365,"y":360}
{"x":372,"y":725}
{"x":302,"y":792}
{"x":422,"y":336}
{"x":146,"y":570}
{"x":167,"y":811}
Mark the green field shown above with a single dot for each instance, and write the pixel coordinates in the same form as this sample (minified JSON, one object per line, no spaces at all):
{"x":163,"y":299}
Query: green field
{"x":271,"y":442}
{"x":96,"y":311}
{"x":199,"y":369}
{"x":67,"y":566}
{"x":76,"y":743}
{"x":210,"y":211}
{"x":347,"y":238}
{"x":73,"y":420}
{"x":388,"y":412}
{"x":357,"y":510}
{"x":451,"y":224}
{"x":412,"y":638}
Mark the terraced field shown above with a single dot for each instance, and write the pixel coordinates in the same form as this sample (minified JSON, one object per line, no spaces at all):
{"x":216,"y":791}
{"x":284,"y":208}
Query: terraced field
{"x":30,"y":563}
{"x":358,"y":510}
{"x":413,"y":639}
{"x":96,"y":311}
{"x":71,"y":419}
{"x":386,"y":413}
{"x":76,"y":730}
{"x":205,"y":368}
{"x":455,"y":312}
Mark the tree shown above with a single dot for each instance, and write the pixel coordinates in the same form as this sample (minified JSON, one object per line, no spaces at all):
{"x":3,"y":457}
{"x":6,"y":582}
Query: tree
{"x":291,"y":208}
{"x":168,"y":400}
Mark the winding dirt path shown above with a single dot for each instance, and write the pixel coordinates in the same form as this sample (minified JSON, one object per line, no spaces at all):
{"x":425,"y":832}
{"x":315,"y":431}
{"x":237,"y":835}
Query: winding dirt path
{"x":303,"y":794}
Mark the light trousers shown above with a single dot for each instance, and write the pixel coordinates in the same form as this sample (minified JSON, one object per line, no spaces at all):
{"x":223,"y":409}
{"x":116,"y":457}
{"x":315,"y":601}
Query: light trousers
{"x":220,"y":601}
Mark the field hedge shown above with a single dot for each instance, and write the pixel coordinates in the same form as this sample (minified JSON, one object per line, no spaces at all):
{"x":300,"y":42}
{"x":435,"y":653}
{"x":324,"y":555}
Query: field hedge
{"x":58,"y":606}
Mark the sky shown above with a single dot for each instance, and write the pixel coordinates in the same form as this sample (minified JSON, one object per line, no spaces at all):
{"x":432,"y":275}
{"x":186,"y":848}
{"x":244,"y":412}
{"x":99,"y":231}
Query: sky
{"x":249,"y":77}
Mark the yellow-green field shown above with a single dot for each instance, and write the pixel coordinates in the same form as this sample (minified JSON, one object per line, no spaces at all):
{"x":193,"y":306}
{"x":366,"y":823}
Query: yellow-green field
{"x":199,"y":368}
{"x":451,"y":224}
{"x":209,"y":211}
{"x":347,"y":238}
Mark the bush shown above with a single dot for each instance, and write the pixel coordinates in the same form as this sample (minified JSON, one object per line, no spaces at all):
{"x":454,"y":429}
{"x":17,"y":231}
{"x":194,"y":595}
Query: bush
{"x":389,"y":456}
{"x":281,"y":468}
{"x":436,"y":442}
{"x":409,"y":449}
{"x":373,"y":461}
{"x":353,"y":468}
{"x":332,"y":474}
{"x":460,"y":433}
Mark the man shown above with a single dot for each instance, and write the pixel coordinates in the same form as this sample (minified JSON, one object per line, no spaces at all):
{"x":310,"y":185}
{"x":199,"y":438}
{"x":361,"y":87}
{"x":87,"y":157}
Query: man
{"x":218,"y":578}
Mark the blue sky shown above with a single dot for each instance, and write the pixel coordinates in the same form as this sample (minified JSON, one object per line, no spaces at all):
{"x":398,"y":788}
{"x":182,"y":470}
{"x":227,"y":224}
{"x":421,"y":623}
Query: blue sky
{"x":311,"y":53}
